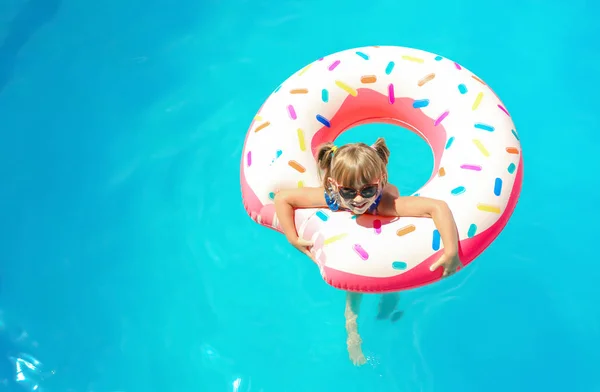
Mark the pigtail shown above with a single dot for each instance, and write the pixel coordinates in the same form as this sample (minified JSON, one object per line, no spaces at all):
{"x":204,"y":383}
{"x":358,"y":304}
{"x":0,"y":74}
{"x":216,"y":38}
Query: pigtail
{"x":324,"y":158}
{"x":382,"y":150}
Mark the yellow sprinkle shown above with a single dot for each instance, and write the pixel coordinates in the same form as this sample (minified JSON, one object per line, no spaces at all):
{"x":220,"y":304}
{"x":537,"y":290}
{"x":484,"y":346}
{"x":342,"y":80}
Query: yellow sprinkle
{"x":303,"y":70}
{"x":346,"y":88}
{"x":301,"y":140}
{"x":414,"y":59}
{"x":477,"y":101}
{"x":488,"y":208}
{"x":300,"y":184}
{"x":257,"y":118}
{"x":481,"y":148}
{"x":334,"y":238}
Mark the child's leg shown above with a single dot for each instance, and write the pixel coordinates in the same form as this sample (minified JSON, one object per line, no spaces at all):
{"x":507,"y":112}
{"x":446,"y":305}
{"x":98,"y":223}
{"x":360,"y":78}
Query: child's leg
{"x":387,"y":305}
{"x":354,"y":341}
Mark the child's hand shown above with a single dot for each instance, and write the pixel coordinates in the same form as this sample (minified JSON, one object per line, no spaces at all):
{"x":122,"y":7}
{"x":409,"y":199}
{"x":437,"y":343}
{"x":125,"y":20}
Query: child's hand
{"x":303,"y":246}
{"x":449,"y":261}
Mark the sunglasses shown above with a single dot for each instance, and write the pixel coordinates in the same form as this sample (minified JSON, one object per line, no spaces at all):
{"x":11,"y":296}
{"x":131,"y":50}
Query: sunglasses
{"x":366,"y":191}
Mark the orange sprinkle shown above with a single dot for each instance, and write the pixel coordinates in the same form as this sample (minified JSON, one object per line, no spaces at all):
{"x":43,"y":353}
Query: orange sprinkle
{"x":512,"y":150}
{"x":297,"y":166}
{"x":442,"y":172}
{"x":262,"y":126}
{"x":299,"y":91}
{"x":405,"y":230}
{"x":479,"y":80}
{"x":376,"y":46}
{"x":368,"y":79}
{"x":426,"y":79}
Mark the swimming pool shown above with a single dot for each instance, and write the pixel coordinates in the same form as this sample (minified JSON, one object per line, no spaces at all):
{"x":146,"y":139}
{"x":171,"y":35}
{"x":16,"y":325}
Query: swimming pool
{"x":127,"y":255}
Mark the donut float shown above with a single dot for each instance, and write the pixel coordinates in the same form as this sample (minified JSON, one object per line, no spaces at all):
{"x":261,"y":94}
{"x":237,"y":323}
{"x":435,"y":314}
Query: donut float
{"x":478,"y":167}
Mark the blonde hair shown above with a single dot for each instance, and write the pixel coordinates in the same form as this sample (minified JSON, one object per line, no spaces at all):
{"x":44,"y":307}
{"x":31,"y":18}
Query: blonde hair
{"x":353,"y":164}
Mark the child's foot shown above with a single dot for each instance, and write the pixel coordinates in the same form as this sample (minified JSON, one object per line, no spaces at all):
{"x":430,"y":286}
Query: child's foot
{"x":356,"y":355}
{"x":387,"y":305}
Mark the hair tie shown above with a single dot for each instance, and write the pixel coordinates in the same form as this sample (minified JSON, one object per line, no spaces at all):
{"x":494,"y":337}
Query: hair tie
{"x":333,"y":149}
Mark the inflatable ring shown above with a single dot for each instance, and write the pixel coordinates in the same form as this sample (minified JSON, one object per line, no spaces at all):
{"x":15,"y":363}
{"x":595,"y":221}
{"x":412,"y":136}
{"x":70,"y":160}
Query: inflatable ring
{"x":478,"y":167}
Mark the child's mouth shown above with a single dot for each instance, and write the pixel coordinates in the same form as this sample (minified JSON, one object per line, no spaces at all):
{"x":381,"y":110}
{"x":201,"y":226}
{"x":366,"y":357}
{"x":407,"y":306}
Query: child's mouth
{"x":359,"y":206}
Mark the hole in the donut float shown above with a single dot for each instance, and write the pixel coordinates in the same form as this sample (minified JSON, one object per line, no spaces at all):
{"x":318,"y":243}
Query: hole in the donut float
{"x":411,"y":158}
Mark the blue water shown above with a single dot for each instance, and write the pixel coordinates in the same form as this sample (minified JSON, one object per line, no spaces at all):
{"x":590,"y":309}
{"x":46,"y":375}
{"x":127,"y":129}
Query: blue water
{"x":128,"y":259}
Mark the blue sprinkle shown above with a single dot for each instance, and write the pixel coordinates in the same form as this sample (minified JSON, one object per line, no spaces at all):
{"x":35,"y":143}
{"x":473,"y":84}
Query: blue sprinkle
{"x":498,"y":187}
{"x":462,"y":88}
{"x":278,"y":153}
{"x":438,"y":58}
{"x":484,"y":127}
{"x":435,"y":244}
{"x":449,"y":143}
{"x":399,"y":265}
{"x":272,"y":195}
{"x":511,"y":168}
{"x":277,"y":89}
{"x":515,"y":134}
{"x":353,"y":217}
{"x":323,"y":121}
{"x":325,"y":95}
{"x":472,"y":230}
{"x":323,"y":216}
{"x":421,"y":103}
{"x":458,"y":190}
{"x":389,"y":68}
{"x":364,"y":56}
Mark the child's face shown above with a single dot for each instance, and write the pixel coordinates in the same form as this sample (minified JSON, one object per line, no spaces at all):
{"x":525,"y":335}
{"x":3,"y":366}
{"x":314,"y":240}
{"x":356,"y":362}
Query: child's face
{"x":358,"y":200}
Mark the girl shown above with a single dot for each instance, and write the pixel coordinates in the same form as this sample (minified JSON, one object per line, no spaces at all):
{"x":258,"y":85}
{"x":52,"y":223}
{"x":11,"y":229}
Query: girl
{"x":354,"y":179}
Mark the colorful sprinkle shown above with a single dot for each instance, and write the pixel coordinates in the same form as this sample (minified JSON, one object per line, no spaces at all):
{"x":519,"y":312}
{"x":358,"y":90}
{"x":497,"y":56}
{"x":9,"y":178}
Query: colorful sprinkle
{"x":391,"y":95}
{"x":301,"y":140}
{"x":257,"y":118}
{"x":389,"y":68}
{"x":477,"y":101}
{"x":405,"y":230}
{"x":333,"y":65}
{"x":271,"y":195}
{"x":413,"y":59}
{"x":479,"y":80}
{"x":346,"y":88}
{"x":363,"y":55}
{"x":304,"y":70}
{"x":277,"y":155}
{"x":425,"y":79}
{"x":481,"y":147}
{"x":323,"y":121}
{"x":299,"y":91}
{"x":457,"y":66}
{"x":334,"y":238}
{"x":504,"y":110}
{"x":472,"y":230}
{"x":511,"y":168}
{"x":262,"y":126}
{"x":462,"y":88}
{"x":488,"y":208}
{"x":498,"y":186}
{"x":435,"y":241}
{"x":441,"y":118}
{"x":459,"y":190}
{"x":438,"y":58}
{"x":361,"y":252}
{"x":449,"y":142}
{"x":484,"y":127}
{"x":377,"y":226}
{"x":368,"y":79}
{"x":322,"y":215}
{"x":291,"y":112}
{"x":297,"y":166}
{"x":325,"y":95}
{"x":249,"y":158}
{"x":399,"y":265}
{"x":442,"y":172}
{"x":300,"y":184}
{"x":512,"y":150}
{"x":515,"y":134}
{"x":470,"y":167}
{"x":421,"y":103}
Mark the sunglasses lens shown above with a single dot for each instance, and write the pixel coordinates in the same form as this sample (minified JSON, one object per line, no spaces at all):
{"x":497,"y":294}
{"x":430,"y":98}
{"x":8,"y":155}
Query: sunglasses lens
{"x":369,"y":191}
{"x":348,"y":193}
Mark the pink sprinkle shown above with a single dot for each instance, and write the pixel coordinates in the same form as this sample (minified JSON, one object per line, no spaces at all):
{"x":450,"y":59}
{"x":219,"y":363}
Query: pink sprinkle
{"x":291,"y":112}
{"x":504,"y":110}
{"x":377,"y":226}
{"x":360,"y":251}
{"x":249,"y":158}
{"x":334,"y":64}
{"x":471,"y":167}
{"x":441,"y":118}
{"x":457,"y":66}
{"x":391,"y":96}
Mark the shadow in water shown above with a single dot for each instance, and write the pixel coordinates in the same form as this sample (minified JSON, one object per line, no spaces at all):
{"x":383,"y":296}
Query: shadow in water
{"x":33,"y":15}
